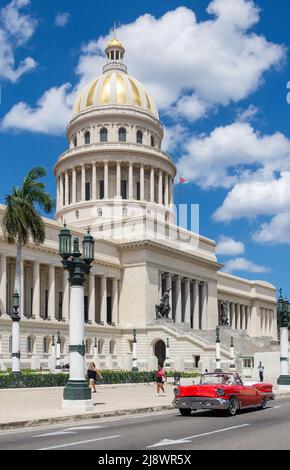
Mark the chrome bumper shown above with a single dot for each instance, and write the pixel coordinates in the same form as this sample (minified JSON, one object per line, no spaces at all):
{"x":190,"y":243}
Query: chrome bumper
{"x":201,"y":403}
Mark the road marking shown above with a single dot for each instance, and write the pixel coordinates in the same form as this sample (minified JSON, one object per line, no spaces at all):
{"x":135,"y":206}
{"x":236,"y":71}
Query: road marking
{"x":273,"y":407}
{"x":56,"y":433}
{"x":169,"y":442}
{"x":80,"y":442}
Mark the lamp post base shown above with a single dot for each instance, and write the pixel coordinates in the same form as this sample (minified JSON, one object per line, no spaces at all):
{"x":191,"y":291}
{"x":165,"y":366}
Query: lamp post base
{"x":77,"y":390}
{"x":134,"y":369}
{"x":283,"y":380}
{"x":77,"y":405}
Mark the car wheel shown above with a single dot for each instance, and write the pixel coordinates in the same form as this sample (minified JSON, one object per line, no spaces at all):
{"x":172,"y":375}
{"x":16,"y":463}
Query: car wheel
{"x":185,"y":411}
{"x":233,"y":407}
{"x":263,"y":404}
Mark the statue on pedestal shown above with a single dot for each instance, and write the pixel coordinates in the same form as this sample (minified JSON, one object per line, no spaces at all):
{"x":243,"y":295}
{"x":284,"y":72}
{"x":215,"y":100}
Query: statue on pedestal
{"x":163,"y":309}
{"x":224,"y":315}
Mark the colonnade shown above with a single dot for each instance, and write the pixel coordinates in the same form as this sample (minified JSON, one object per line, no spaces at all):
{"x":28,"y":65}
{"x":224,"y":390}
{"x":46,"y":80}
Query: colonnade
{"x":131,"y":181}
{"x":188,"y":299}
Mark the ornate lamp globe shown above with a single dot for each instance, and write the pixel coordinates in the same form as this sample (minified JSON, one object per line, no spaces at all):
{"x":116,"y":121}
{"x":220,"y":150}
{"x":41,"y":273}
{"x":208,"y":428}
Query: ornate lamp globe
{"x":88,"y":248}
{"x":65,"y":242}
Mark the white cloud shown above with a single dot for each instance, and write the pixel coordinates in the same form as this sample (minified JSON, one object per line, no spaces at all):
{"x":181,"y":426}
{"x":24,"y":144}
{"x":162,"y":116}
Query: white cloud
{"x":48,"y":117}
{"x":61,"y":19}
{"x":259,"y":196}
{"x":229,"y":247}
{"x":228,"y":153}
{"x":247,"y":114}
{"x":174,"y":136}
{"x":190,"y":66}
{"x":274,"y":232}
{"x":242,"y":264}
{"x":15,"y":30}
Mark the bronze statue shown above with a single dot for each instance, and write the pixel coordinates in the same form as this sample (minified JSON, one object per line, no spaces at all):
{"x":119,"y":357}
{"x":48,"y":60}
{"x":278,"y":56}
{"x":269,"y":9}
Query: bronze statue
{"x":163,"y":309}
{"x":224,"y":319}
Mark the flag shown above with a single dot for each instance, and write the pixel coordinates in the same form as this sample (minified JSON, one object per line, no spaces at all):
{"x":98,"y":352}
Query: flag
{"x":183,"y":180}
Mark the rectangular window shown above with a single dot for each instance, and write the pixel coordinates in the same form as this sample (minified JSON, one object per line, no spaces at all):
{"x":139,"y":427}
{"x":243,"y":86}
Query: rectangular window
{"x":138,"y":191}
{"x":60,"y":305}
{"x":102,"y":192}
{"x":86,"y":305}
{"x":117,"y":55}
{"x":46,"y":304}
{"x":124,"y":189}
{"x":88,"y":191}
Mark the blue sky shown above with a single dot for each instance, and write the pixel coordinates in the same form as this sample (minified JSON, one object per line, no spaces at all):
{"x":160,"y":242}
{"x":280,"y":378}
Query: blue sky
{"x":219,"y":79}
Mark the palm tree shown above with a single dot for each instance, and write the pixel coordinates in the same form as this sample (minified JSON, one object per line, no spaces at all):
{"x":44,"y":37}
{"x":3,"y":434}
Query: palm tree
{"x":22,"y":221}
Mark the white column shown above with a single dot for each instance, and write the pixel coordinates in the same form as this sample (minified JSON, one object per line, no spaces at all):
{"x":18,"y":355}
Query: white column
{"x":96,"y":355}
{"x":170,"y":191}
{"x":166,"y":194}
{"x":118,"y":180}
{"x":115,"y":301}
{"x":36,"y":291}
{"x":92,"y":298}
{"x":284,"y":355}
{"x":160,"y":192}
{"x":66,"y":295}
{"x":83,"y":192}
{"x":232,"y":314}
{"x":168,"y":286}
{"x":103,"y":316}
{"x":152,"y":184}
{"x":237,"y":319}
{"x":57,"y":193}
{"x":218,"y":355}
{"x":51,"y":292}
{"x":242,"y":312}
{"x":187,"y":301}
{"x":53,"y":355}
{"x":94,"y":181}
{"x":60,"y":191}
{"x":130,"y":176}
{"x":135,"y":360}
{"x":3,"y":281}
{"x":58,"y":355}
{"x":232,"y":365}
{"x":203,"y":306}
{"x":195,"y":305}
{"x":16,"y":346}
{"x":178,"y":317}
{"x":106,"y":180}
{"x":66,"y":197}
{"x":142,"y":184}
{"x":74,"y":186}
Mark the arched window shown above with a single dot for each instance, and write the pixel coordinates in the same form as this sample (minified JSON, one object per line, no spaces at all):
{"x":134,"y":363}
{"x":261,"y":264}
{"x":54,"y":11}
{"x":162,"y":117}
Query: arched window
{"x":88,"y":346}
{"x":87,"y":138}
{"x":45,"y":345}
{"x":75,"y":141}
{"x":30,"y":344}
{"x":104,"y":135}
{"x":139,"y":137}
{"x":112,"y":346}
{"x":122,"y":134}
{"x":152,"y":141}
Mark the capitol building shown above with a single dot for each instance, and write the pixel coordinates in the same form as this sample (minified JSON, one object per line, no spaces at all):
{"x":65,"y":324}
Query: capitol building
{"x":115,"y":179}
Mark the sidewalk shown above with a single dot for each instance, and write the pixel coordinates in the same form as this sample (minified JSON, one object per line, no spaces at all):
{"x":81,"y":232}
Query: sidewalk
{"x":32,"y":407}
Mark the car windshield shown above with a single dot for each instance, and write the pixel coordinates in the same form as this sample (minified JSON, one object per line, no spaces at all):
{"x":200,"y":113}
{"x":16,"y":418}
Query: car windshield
{"x":220,"y":378}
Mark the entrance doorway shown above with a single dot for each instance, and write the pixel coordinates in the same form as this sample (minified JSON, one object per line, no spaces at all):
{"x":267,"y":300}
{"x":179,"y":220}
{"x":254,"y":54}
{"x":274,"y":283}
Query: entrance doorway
{"x":160,"y":351}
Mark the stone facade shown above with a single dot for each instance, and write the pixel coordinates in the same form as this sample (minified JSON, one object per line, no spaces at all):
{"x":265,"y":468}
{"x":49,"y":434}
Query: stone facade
{"x":115,"y":178}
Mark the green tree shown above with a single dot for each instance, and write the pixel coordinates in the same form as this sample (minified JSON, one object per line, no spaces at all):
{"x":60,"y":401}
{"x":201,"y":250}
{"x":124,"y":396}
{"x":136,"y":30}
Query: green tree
{"x":21,"y":221}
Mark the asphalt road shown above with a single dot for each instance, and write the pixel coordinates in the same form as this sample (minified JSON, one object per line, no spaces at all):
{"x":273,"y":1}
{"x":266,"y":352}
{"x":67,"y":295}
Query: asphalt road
{"x":250,"y":429}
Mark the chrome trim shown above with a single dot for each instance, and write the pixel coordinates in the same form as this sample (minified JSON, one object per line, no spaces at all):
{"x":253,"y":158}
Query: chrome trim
{"x":201,"y":403}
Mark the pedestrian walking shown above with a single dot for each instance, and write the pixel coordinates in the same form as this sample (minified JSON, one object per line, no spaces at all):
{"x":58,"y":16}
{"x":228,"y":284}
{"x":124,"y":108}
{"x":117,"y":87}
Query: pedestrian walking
{"x":160,"y":380}
{"x":92,"y":376}
{"x":261,"y":369}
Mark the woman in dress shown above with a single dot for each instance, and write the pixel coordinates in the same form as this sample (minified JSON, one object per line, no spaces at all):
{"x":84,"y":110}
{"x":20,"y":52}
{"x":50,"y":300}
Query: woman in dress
{"x":92,"y":376}
{"x":160,"y":380}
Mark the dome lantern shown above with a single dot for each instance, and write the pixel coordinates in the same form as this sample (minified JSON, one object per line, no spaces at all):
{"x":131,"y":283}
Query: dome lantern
{"x":115,"y":53}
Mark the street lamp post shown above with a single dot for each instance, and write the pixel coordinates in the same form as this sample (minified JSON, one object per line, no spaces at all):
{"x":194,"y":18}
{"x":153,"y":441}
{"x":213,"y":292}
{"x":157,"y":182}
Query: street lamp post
{"x":217,"y":351}
{"x":53,"y":356}
{"x":15,"y":317}
{"x":96,"y":357}
{"x":135,"y":365}
{"x":283,"y":319}
{"x":232,"y":365}
{"x":58,"y":342}
{"x":77,"y":394}
{"x":167,"y":361}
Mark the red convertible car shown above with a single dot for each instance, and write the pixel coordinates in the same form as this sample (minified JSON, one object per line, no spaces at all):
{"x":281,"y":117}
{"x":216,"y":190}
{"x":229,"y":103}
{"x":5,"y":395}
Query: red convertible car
{"x":221,"y":391}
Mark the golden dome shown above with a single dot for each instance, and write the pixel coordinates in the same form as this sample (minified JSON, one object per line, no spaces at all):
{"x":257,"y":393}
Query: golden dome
{"x":115,"y":43}
{"x":115,"y":87}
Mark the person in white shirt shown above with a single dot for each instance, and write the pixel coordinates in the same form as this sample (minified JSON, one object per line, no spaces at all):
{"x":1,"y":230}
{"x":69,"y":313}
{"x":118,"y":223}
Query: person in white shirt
{"x":261,"y":371}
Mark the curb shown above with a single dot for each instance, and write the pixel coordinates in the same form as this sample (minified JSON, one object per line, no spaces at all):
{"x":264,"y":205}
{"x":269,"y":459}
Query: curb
{"x":80,"y":417}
